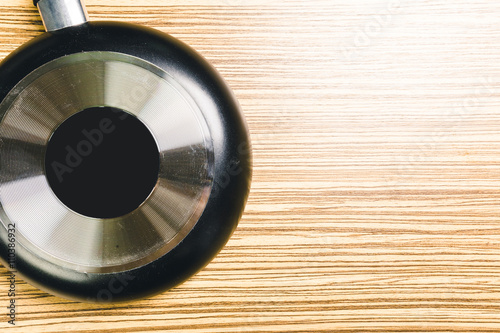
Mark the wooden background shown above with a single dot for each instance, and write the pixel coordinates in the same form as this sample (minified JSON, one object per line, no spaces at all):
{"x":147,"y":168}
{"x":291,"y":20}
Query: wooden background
{"x":375,"y":200}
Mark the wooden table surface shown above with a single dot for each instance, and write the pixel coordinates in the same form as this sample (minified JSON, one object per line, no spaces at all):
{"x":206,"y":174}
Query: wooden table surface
{"x":375,"y":200}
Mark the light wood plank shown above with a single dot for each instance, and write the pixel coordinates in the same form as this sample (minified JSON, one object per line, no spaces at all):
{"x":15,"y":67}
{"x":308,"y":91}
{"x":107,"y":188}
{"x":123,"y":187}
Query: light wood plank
{"x":375,"y":200}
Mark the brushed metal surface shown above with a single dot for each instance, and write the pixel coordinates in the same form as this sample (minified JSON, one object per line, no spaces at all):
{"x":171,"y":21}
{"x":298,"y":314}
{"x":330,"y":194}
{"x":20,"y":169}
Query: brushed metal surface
{"x":42,"y":101}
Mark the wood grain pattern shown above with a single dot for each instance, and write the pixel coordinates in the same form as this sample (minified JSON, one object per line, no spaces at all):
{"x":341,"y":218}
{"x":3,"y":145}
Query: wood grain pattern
{"x":375,"y":200}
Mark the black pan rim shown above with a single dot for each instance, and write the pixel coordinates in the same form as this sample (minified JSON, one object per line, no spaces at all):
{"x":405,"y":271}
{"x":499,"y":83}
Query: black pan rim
{"x":231,"y":150}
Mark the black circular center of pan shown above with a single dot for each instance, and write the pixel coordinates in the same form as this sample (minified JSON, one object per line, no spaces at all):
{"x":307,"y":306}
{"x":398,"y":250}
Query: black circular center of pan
{"x":102,"y":162}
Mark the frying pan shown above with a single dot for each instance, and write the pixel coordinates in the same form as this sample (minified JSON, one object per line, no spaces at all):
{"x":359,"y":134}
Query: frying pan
{"x":125,"y":161}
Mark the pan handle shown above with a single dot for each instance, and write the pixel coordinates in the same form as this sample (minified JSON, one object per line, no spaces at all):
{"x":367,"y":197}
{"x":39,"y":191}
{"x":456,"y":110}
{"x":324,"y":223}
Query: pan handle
{"x":60,"y":14}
